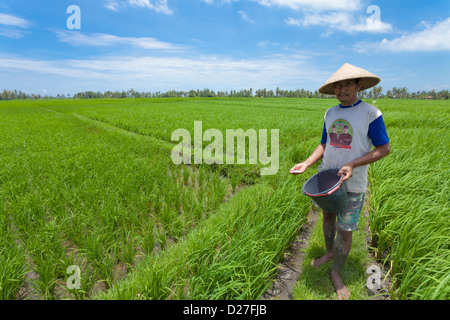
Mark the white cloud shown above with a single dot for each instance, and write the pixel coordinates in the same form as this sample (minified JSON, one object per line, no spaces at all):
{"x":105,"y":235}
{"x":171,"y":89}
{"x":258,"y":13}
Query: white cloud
{"x":13,"y":21}
{"x":12,"y":26}
{"x":267,"y":43}
{"x":341,"y":21}
{"x":165,"y":73}
{"x":108,"y":40}
{"x":11,"y":33}
{"x":157,"y":5}
{"x":316,"y":5}
{"x":245,"y":16}
{"x":433,"y":38}
{"x":114,"y":5}
{"x":334,"y":15}
{"x":221,"y":1}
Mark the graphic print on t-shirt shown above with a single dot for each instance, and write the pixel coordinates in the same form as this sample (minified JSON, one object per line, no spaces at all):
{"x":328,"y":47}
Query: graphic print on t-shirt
{"x":341,"y":134}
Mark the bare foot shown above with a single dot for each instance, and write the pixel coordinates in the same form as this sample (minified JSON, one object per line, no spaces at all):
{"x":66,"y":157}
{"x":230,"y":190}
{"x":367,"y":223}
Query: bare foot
{"x":316,"y":263}
{"x":341,"y":290}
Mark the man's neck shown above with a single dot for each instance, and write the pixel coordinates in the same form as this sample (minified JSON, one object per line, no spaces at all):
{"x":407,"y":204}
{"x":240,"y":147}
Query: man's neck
{"x":355,"y":101}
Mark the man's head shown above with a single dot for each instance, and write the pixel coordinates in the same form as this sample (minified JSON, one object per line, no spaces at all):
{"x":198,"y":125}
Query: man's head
{"x":347,"y":81}
{"x":346,"y":91}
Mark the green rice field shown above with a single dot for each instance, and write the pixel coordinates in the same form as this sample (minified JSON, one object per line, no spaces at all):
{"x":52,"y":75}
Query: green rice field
{"x":91,"y":184}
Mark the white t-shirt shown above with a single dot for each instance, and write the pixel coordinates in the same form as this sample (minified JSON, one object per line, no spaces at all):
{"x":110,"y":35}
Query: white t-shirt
{"x":349,"y":133}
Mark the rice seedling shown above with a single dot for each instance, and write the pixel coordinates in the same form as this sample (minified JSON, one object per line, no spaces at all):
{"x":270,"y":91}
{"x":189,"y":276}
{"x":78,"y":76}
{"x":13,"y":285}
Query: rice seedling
{"x":127,"y":248}
{"x":410,"y":193}
{"x":14,"y":268}
{"x":98,"y":175}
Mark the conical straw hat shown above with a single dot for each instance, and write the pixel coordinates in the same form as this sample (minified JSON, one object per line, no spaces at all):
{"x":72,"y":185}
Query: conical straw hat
{"x":346,"y":72}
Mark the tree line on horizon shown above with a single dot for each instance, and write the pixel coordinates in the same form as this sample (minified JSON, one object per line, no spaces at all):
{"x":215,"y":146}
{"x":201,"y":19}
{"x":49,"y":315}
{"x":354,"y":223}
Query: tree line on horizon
{"x":375,"y":93}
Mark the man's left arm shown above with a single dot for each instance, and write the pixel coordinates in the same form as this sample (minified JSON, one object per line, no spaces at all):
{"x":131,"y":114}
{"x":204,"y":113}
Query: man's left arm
{"x":376,"y":154}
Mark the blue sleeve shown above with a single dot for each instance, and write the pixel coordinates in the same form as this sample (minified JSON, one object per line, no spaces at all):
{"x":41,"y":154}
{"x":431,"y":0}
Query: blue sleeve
{"x":377,"y":132}
{"x":324,"y":134}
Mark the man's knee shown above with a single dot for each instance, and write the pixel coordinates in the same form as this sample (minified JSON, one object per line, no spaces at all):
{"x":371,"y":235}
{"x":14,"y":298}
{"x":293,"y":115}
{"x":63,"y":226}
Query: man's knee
{"x":329,"y":215}
{"x":345,"y":235}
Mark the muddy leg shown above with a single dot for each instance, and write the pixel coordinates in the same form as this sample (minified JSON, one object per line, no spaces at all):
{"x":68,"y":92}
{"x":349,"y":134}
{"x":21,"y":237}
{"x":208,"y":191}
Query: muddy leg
{"x":329,"y":232}
{"x":342,"y":246}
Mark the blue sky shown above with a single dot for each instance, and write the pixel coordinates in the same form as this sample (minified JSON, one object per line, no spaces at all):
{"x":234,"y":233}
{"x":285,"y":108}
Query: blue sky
{"x":160,"y":45}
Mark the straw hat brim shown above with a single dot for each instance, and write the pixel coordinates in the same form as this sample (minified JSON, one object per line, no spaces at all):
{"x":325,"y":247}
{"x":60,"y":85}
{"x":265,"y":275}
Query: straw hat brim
{"x":347,"y":72}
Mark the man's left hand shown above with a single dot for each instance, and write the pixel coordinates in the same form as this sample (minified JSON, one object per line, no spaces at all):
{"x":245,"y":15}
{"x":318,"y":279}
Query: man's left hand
{"x":347,"y":171}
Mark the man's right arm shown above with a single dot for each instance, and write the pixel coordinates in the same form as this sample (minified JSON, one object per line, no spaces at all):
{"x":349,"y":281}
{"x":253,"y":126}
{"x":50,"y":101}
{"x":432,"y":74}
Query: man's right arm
{"x":313,"y":158}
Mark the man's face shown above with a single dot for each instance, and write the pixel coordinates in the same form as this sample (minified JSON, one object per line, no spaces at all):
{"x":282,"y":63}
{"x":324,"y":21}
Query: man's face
{"x":346,"y":91}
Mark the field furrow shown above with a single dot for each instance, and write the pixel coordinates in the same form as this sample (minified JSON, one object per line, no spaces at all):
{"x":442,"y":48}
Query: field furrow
{"x":91,"y":184}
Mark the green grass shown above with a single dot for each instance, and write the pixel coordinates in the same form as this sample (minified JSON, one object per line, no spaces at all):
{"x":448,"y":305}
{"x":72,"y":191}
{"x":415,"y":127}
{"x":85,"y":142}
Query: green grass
{"x":229,"y":256}
{"x":12,"y":260}
{"x":82,"y":189}
{"x":410,"y":216}
{"x":91,"y":183}
{"x":68,"y":183}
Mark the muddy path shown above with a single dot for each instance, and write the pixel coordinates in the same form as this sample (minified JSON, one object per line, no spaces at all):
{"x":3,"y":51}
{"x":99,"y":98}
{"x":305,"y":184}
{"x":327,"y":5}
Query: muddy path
{"x":290,"y":269}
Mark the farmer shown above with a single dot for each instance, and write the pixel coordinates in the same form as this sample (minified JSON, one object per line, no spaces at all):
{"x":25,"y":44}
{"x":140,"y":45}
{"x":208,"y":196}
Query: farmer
{"x":367,"y":130}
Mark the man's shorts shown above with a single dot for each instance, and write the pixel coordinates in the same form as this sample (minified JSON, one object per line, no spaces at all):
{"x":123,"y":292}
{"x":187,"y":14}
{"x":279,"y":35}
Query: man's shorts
{"x":348,"y":218}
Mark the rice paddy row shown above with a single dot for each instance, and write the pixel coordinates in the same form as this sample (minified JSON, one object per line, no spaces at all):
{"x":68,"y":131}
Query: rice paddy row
{"x":91,"y":183}
{"x":78,"y":191}
{"x":410,"y":212}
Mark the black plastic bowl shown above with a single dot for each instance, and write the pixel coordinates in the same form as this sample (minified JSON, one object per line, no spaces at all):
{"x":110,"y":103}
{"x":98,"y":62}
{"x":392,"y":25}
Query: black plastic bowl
{"x":327,"y":190}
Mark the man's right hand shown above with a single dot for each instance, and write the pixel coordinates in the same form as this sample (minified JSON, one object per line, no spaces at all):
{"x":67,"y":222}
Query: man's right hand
{"x":299,"y":168}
